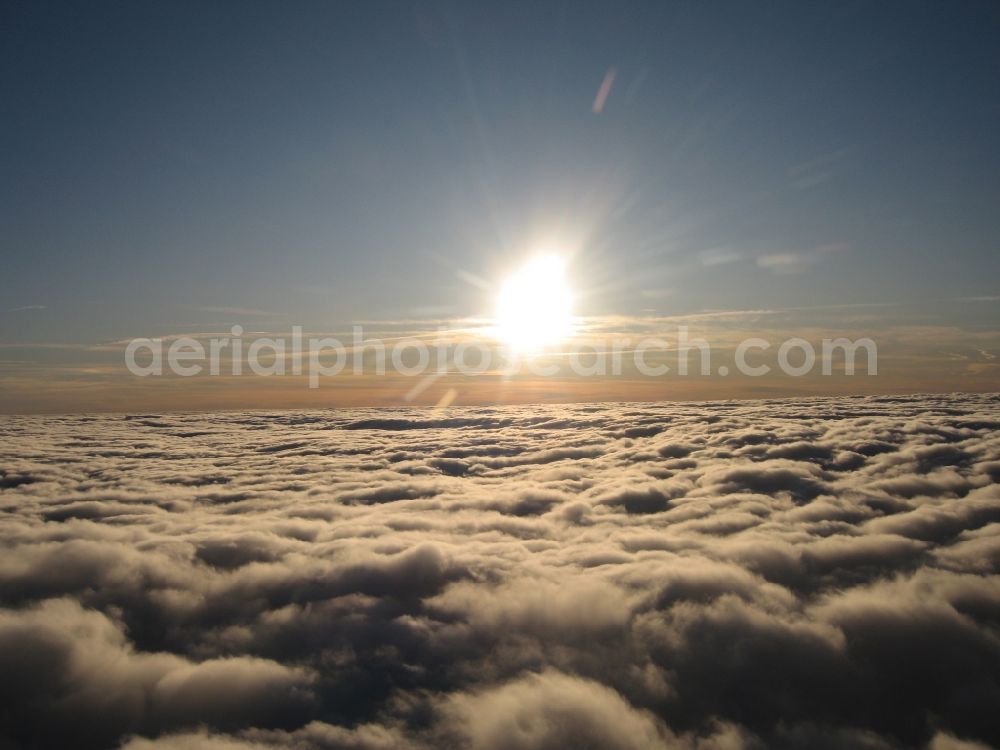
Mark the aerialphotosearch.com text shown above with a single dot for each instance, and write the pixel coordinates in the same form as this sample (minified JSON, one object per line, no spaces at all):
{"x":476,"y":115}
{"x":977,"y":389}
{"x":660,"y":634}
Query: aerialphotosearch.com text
{"x":319,"y":357}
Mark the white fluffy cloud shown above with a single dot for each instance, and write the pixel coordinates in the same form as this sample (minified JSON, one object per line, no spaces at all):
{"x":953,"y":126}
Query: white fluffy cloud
{"x":797,"y":573}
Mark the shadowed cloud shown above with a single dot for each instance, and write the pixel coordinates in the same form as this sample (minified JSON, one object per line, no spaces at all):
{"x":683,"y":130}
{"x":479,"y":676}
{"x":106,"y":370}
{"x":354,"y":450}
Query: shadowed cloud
{"x":812,"y":573}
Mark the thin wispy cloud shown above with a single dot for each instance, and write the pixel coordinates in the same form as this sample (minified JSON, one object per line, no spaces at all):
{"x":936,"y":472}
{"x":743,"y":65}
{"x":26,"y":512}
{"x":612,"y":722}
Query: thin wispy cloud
{"x":785,"y":262}
{"x":983,"y":298}
{"x":241,"y":311}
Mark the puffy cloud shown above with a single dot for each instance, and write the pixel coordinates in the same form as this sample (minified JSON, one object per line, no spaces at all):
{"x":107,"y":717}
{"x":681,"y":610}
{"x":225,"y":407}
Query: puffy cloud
{"x":550,"y":711}
{"x":799,"y":573}
{"x":72,"y":678}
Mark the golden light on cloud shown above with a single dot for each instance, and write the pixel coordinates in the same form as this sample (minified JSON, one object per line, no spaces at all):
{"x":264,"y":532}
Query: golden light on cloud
{"x":535,"y":306}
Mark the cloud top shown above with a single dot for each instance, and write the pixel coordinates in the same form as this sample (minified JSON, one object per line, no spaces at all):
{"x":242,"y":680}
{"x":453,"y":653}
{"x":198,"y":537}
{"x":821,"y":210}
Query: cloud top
{"x":789,"y":573}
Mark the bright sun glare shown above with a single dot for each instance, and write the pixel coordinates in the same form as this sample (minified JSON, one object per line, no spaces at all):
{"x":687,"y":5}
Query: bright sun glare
{"x":534,"y":309}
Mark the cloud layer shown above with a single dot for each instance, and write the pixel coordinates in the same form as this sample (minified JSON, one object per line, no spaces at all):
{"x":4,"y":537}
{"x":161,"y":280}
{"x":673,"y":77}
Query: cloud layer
{"x":797,"y":573}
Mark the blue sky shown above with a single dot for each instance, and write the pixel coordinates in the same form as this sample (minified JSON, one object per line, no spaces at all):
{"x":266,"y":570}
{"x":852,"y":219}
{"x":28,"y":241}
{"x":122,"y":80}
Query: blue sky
{"x":181,"y":166}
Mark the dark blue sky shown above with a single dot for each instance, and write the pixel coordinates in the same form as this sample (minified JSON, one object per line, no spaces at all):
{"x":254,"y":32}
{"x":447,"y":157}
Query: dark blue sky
{"x":334,"y":161}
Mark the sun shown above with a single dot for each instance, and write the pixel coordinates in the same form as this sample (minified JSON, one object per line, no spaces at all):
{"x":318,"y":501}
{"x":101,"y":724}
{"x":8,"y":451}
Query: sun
{"x":534,"y":307}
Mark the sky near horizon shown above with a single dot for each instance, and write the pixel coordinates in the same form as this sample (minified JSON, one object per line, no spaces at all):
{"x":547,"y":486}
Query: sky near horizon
{"x":172,"y":168}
